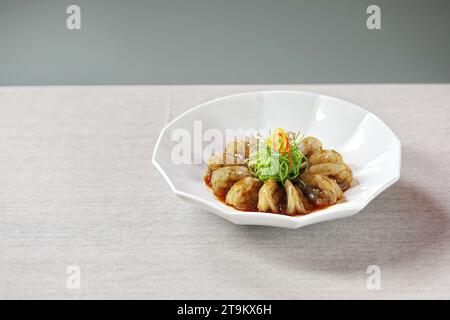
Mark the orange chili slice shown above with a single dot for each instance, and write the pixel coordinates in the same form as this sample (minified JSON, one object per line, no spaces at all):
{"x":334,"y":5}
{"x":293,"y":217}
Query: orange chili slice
{"x":280,"y":142}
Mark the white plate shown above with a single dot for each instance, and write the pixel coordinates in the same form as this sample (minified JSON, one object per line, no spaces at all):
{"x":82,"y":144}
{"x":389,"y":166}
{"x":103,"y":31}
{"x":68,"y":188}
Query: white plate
{"x":370,"y":148}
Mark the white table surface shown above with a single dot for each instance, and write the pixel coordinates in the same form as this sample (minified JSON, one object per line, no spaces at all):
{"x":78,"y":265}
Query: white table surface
{"x":77,"y":187}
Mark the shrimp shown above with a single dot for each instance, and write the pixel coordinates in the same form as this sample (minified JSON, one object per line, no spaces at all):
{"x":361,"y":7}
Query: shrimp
{"x":321,"y":190}
{"x":324,"y":157}
{"x":309,"y":146}
{"x":337,"y":170}
{"x":220,"y":160}
{"x":269,"y":197}
{"x":296,"y":202}
{"x":243,"y":195}
{"x":223,"y":178}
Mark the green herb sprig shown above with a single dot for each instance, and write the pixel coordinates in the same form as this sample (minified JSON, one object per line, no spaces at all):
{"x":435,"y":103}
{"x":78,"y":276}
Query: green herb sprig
{"x":267,"y":163}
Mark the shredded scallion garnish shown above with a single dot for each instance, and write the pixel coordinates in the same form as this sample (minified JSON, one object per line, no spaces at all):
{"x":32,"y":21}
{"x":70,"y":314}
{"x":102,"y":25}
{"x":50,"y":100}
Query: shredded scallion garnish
{"x":276,"y":158}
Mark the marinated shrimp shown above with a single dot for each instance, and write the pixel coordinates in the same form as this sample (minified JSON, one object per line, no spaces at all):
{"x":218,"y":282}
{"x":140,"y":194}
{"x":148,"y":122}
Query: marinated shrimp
{"x":284,"y":173}
{"x":337,"y":170}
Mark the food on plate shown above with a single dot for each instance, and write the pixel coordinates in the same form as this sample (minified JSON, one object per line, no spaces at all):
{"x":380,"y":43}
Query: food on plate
{"x":243,"y":195}
{"x":284,"y":173}
{"x":321,"y":190}
{"x":296,"y":202}
{"x":223,"y":178}
{"x":269,"y":197}
{"x":220,"y":160}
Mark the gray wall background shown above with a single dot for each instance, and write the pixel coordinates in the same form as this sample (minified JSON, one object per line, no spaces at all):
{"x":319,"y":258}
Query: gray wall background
{"x":223,"y":41}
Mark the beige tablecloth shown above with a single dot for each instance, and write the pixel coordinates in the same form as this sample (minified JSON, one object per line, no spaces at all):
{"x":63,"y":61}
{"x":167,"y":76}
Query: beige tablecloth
{"x":77,"y":188}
